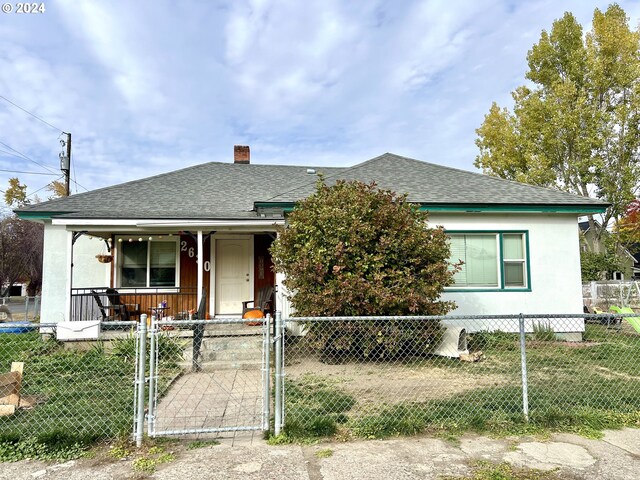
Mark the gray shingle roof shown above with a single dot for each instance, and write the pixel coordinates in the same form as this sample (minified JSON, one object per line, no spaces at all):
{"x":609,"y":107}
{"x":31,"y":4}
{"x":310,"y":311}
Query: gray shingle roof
{"x":226,"y":190}
{"x":208,"y":191}
{"x":429,"y":183}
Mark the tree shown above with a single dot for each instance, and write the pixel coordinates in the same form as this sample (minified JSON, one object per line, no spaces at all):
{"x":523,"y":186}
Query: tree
{"x":628,"y":227}
{"x":21,"y":242}
{"x":598,"y":265}
{"x":16,"y":193}
{"x":577,"y":128}
{"x":353,"y":249}
{"x":58,"y":189}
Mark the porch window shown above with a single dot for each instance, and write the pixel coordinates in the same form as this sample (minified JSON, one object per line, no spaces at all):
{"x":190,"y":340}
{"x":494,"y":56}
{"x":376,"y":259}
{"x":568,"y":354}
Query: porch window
{"x":148,"y":264}
{"x":491,"y":260}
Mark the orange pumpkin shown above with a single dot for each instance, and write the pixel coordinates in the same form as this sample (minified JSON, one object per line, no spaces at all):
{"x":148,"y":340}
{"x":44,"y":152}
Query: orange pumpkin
{"x":253,"y":314}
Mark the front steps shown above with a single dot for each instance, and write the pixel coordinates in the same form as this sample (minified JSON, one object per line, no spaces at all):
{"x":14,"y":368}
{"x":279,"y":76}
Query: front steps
{"x":228,"y":346}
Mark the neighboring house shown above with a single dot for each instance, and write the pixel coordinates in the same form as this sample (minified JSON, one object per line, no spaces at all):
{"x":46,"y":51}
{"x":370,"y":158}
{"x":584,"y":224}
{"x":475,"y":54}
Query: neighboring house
{"x":18,"y":289}
{"x":590,"y":242}
{"x":519,"y":242}
{"x":634,"y":249}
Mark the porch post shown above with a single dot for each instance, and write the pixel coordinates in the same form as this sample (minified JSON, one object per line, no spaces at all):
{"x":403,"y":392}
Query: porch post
{"x":67,"y":301}
{"x":200,"y":263}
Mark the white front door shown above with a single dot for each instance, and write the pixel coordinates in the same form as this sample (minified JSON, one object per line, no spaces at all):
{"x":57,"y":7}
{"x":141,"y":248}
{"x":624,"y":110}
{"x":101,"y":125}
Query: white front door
{"x":233,"y":275}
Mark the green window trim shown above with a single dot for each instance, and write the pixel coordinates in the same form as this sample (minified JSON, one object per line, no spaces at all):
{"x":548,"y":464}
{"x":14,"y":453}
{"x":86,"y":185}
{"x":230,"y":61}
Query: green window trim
{"x":501,"y":287}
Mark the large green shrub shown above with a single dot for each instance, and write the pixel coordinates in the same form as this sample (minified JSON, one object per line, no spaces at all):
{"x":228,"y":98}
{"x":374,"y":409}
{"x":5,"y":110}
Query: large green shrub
{"x":352,"y":249}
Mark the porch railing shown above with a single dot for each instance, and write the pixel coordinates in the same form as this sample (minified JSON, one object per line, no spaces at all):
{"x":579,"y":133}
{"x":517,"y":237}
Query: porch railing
{"x":102,"y":303}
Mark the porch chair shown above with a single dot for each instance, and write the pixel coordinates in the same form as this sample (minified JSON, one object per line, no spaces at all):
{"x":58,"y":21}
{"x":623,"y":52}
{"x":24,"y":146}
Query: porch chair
{"x":259,"y":308}
{"x":120,"y":309}
{"x":101,"y":307}
{"x":198,"y":333}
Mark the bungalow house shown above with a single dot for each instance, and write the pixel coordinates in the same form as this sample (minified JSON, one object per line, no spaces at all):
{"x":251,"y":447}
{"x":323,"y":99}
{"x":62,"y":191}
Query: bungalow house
{"x":165,"y":238}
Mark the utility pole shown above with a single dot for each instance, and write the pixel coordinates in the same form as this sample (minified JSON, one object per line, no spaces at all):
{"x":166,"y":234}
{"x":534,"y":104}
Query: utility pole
{"x":65,"y":162}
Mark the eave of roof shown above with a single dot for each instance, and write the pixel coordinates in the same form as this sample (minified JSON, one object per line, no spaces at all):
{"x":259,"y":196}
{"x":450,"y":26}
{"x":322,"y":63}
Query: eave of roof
{"x":477,"y":208}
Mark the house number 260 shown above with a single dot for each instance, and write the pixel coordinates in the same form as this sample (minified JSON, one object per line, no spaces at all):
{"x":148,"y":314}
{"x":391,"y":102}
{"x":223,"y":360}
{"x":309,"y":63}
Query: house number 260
{"x":192,"y":253}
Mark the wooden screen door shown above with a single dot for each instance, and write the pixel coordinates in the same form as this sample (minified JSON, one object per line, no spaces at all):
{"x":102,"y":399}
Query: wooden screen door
{"x":233,"y":279}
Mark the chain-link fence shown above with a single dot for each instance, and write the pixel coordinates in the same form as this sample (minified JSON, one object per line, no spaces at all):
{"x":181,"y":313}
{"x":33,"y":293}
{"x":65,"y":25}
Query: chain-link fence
{"x":74,"y":392}
{"x":400,"y":375}
{"x":367,"y":377}
{"x":18,"y":309}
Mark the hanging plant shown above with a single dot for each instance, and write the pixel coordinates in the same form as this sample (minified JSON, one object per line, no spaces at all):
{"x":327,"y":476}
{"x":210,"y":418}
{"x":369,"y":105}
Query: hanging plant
{"x":104,"y":258}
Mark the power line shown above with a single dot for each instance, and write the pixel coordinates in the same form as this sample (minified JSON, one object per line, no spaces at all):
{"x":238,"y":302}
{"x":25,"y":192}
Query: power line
{"x":28,"y":173}
{"x":10,"y":154}
{"x":32,"y":114}
{"x":27,"y":158}
{"x":79,"y":185}
{"x":33,"y":193}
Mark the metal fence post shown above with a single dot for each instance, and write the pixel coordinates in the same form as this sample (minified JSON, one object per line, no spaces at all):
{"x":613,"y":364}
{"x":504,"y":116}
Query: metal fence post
{"x":523,"y":363}
{"x":142,"y":357}
{"x":152,"y":374}
{"x":266,"y":374}
{"x":279,"y":338}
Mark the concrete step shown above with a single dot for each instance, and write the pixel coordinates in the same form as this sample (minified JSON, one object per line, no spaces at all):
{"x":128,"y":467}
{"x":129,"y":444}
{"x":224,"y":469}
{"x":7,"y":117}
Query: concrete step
{"x":219,"y":330}
{"x":229,"y":348}
{"x":252,"y":354}
{"x":210,"y":366}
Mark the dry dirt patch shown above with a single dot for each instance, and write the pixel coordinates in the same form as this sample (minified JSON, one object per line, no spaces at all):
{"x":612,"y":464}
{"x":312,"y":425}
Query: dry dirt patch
{"x":394,"y":383}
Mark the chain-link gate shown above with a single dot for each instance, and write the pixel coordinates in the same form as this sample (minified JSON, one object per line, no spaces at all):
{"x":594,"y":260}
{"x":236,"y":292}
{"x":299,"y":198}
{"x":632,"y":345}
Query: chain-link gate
{"x":207,"y":376}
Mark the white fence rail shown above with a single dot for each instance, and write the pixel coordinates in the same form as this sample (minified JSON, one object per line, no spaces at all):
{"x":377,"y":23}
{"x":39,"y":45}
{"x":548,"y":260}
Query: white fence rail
{"x":603,"y":294}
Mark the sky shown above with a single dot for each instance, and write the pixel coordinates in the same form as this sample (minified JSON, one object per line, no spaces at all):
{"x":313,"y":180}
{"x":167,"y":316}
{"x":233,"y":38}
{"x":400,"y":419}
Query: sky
{"x":151,"y":86}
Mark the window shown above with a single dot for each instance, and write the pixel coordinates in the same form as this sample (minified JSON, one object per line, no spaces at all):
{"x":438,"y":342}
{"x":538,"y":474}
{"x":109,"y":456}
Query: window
{"x":490,"y":260}
{"x":513,"y":260}
{"x":148,"y":264}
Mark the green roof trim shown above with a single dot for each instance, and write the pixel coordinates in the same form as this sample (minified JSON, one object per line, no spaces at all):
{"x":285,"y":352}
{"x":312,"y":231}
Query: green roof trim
{"x":38,"y":215}
{"x":479,"y":208}
{"x":471,"y":208}
{"x":283,"y":205}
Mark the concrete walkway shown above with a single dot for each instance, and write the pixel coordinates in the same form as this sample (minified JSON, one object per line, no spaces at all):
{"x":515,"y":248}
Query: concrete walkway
{"x":564,"y":456}
{"x":218,"y":399}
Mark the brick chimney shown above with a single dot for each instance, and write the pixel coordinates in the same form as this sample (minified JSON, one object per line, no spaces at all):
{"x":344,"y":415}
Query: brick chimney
{"x":241,"y":154}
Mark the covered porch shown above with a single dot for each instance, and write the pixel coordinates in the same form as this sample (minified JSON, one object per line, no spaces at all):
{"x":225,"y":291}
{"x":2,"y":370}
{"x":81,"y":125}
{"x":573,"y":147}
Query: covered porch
{"x":119,"y":272}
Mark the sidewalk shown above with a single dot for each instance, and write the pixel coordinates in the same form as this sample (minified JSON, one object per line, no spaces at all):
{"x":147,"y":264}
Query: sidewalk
{"x":564,"y":456}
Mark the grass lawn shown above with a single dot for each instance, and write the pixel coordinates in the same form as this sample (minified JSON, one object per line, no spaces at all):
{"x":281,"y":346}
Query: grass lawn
{"x":79,"y":397}
{"x":581,"y":387}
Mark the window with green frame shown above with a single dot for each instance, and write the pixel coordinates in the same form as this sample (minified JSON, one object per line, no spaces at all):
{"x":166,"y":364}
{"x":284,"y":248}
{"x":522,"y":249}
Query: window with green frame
{"x":148,"y":264}
{"x":491,"y":260}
